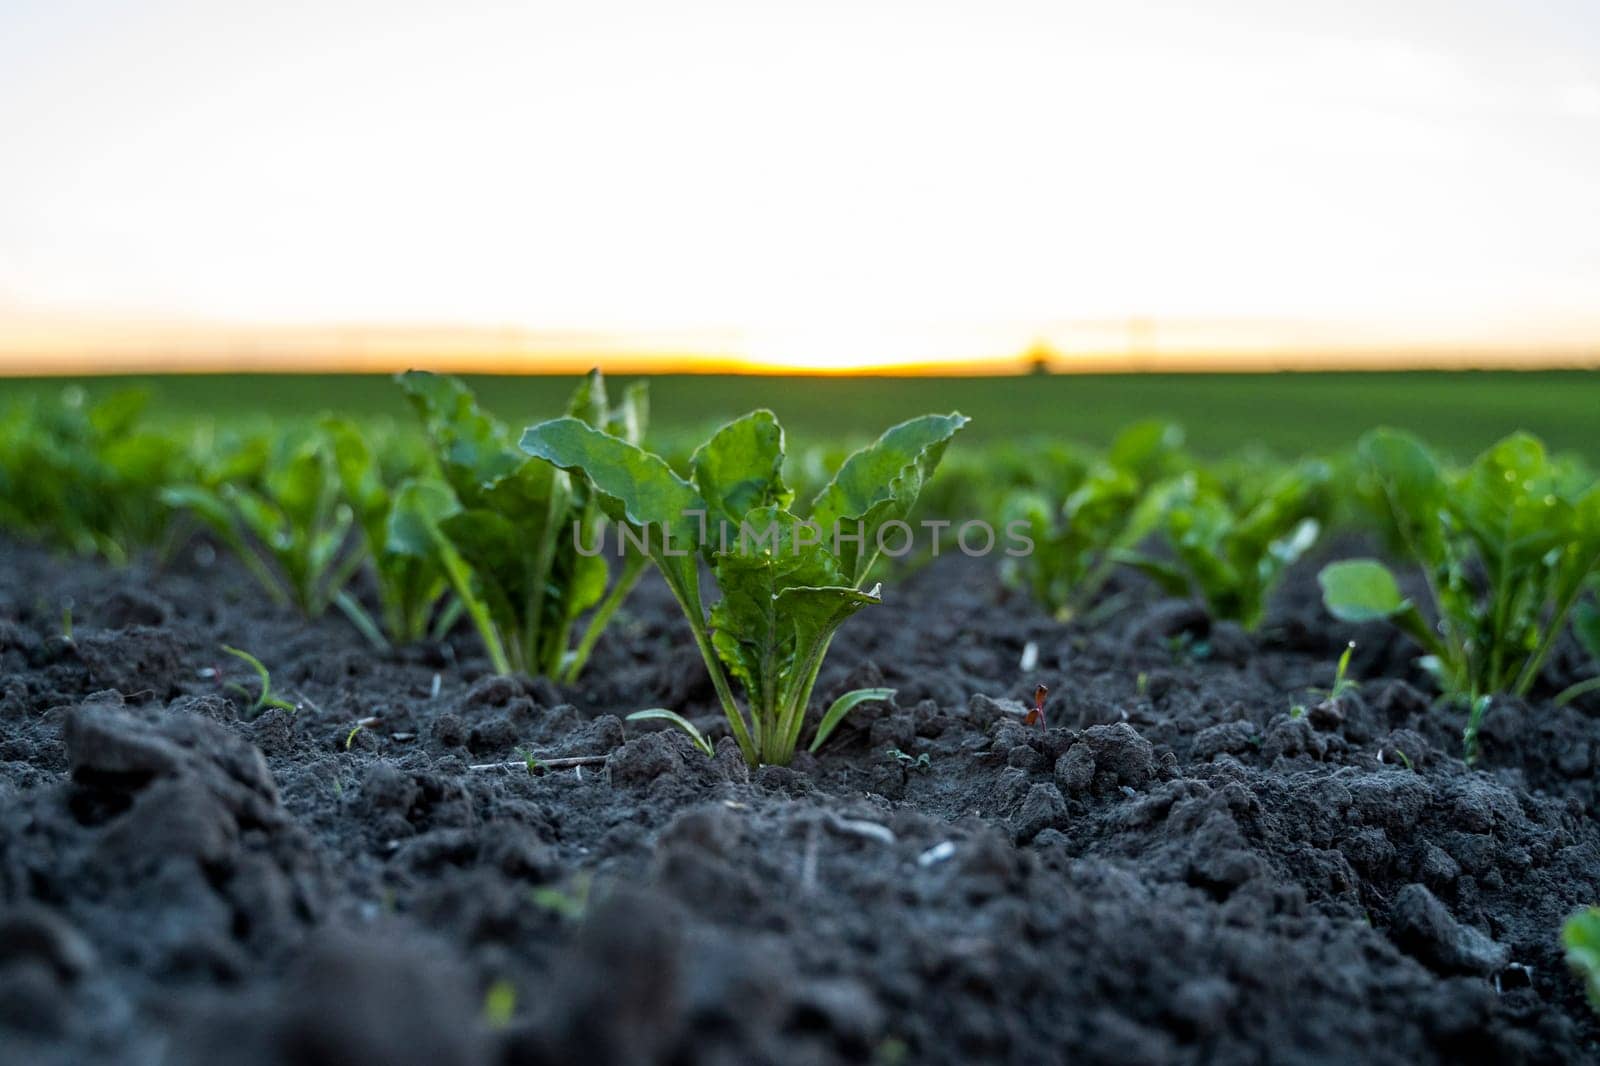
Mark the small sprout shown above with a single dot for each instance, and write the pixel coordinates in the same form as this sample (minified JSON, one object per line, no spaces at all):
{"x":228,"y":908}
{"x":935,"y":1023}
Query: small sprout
{"x":1185,"y":648}
{"x":363,"y":723}
{"x":785,"y":592}
{"x":1141,"y":684}
{"x":1341,"y":683}
{"x":1035,"y":717}
{"x":1405,"y":759}
{"x":1469,"y":736}
{"x":919,"y":763}
{"x":843,"y":706}
{"x":266,"y":698}
{"x":661,"y":714}
{"x":499,"y":1004}
{"x":1297,"y":711}
{"x":1572,"y":692}
{"x":570,"y":902}
{"x":66,"y":620}
{"x":530,"y":762}
{"x":1506,"y":547}
{"x":503,"y":535}
{"x":891,"y":1051}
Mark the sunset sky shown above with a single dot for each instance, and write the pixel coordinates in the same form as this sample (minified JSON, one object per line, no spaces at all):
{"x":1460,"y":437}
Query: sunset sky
{"x":819,"y":185}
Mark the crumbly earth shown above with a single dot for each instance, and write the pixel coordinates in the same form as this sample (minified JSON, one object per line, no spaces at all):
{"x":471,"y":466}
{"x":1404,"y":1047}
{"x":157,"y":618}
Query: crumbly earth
{"x":1181,"y":868}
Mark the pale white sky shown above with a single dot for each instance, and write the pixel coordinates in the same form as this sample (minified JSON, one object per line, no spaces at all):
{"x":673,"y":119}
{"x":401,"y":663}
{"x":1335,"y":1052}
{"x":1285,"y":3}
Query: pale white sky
{"x":819,"y":176}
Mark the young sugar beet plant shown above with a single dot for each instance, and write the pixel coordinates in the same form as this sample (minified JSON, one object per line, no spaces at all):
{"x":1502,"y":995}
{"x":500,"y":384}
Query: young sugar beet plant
{"x":378,"y":486}
{"x":85,"y":476}
{"x":1506,"y":548}
{"x":786,"y":584}
{"x":277,"y":504}
{"x":517,"y":539}
{"x":1093,"y":515}
{"x":1235,"y":551}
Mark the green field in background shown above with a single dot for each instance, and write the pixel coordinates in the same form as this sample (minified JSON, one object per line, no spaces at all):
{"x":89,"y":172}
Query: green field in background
{"x":1290,"y":413}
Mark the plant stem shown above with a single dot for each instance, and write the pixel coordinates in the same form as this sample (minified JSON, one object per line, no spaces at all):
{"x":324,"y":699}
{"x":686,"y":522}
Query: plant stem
{"x":689,"y":601}
{"x":1530,"y":670}
{"x":632,"y":568}
{"x":794,"y":714}
{"x":1572,"y":692}
{"x":361,"y":620}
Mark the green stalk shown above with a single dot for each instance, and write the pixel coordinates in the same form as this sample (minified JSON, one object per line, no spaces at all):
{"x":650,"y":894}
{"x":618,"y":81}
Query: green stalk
{"x":794,"y":715}
{"x":363,"y":622}
{"x":262,"y":573}
{"x":455,"y":572}
{"x":632,"y":568}
{"x":1469,"y":736}
{"x":341,"y":578}
{"x":1530,"y":670}
{"x":539,"y":570}
{"x":446,"y":619}
{"x":1502,"y":608}
{"x":697,"y":625}
{"x":1572,"y":692}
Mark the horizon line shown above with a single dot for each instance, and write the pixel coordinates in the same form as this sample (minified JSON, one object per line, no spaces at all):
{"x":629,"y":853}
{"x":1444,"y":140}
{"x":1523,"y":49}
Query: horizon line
{"x":632,"y":361}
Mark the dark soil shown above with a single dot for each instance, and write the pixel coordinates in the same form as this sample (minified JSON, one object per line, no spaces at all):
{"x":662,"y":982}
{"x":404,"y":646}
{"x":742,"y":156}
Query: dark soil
{"x":1178,"y":869}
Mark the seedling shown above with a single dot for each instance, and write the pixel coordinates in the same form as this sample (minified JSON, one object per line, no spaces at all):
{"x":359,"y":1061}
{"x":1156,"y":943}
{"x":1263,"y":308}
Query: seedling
{"x":569,"y":902}
{"x":410,"y":584}
{"x":1581,"y":937}
{"x":85,"y":476}
{"x":1342,"y":684}
{"x":277,"y":505}
{"x":1087,"y":515}
{"x":661,"y":714}
{"x":499,"y":1004}
{"x":1505,"y":547}
{"x":1233,"y":552}
{"x":787,"y":583}
{"x":265,"y":698}
{"x":842,"y":706}
{"x":919,"y":763}
{"x":66,"y":620}
{"x":1185,"y":647}
{"x":1035,"y":716}
{"x":1572,"y":692}
{"x":517,"y":540}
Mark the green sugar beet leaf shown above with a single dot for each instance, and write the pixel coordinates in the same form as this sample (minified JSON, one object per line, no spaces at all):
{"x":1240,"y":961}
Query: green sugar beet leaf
{"x":740,"y":469}
{"x":1361,"y":590}
{"x":525,"y":533}
{"x":278,"y":503}
{"x":1505,"y":546}
{"x":880,"y":484}
{"x":410,"y":583}
{"x":786,"y":584}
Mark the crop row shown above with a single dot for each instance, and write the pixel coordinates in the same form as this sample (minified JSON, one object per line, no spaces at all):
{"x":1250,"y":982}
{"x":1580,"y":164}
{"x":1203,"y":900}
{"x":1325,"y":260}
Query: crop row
{"x":461,"y":517}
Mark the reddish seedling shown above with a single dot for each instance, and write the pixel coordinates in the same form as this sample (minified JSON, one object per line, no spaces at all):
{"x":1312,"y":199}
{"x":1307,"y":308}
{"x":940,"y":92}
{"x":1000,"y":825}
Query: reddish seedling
{"x":1036,"y":716}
